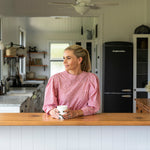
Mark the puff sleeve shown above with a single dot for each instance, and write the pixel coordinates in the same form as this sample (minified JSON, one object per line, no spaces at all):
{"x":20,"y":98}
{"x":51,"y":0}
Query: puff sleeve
{"x":93,"y":104}
{"x":50,"y":98}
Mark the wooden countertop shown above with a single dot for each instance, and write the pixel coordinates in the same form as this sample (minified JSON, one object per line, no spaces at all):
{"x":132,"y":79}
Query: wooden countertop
{"x":144,"y":101}
{"x":103,"y":119}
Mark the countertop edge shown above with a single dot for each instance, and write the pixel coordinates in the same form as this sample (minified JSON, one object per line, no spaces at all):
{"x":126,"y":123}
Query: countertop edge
{"x":103,"y":119}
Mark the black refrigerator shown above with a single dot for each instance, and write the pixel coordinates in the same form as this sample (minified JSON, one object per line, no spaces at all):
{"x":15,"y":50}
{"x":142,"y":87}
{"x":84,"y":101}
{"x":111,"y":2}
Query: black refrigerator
{"x":118,"y":77}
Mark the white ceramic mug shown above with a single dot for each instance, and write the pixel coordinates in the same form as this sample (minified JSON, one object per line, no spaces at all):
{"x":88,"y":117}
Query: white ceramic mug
{"x":62,"y":108}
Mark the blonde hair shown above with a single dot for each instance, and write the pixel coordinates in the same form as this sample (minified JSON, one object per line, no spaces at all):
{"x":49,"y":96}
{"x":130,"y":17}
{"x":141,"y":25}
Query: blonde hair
{"x":81,"y":52}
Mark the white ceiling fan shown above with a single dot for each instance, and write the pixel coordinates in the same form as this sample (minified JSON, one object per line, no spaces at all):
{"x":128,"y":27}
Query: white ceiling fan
{"x":82,"y":6}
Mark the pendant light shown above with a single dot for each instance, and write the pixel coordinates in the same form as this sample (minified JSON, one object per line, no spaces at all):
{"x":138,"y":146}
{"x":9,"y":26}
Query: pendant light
{"x":81,"y":26}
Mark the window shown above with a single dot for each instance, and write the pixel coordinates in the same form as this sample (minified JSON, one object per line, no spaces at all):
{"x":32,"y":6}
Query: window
{"x":56,"y":57}
{"x":22,"y":36}
{"x":22,"y":65}
{"x":22,"y":60}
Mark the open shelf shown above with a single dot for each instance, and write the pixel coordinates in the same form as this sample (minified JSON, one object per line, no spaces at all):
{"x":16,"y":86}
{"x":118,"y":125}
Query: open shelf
{"x":38,"y":65}
{"x":42,"y":52}
{"x":37,"y":79}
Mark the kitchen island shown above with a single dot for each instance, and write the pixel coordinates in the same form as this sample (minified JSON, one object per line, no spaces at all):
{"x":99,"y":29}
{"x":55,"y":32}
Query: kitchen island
{"x":105,"y":131}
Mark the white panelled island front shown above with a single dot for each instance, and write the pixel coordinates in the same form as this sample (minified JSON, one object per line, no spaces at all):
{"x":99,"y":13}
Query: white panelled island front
{"x":105,"y":131}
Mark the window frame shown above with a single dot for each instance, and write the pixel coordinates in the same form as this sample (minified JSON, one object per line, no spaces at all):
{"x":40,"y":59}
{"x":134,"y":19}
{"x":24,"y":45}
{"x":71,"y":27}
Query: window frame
{"x":22,"y":42}
{"x":56,"y":60}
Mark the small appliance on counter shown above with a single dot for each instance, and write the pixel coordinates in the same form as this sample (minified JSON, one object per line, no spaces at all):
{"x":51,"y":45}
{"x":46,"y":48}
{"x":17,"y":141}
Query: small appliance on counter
{"x":2,"y":88}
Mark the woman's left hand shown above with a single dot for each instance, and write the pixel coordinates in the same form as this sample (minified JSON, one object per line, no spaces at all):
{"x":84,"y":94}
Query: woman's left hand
{"x":72,"y":114}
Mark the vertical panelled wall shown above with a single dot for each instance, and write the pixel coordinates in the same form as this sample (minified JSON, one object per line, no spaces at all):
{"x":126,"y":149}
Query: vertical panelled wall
{"x":120,"y":21}
{"x":10,"y":33}
{"x":42,"y":30}
{"x":74,"y":137}
{"x":148,"y":13}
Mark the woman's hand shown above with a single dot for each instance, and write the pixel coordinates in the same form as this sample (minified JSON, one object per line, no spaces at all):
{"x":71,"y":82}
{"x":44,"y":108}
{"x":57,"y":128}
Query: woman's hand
{"x":72,"y":114}
{"x":54,"y":113}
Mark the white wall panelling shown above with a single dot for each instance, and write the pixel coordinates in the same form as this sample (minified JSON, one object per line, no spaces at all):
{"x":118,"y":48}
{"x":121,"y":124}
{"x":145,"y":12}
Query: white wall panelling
{"x":10,"y":33}
{"x":115,"y":23}
{"x":74,"y":137}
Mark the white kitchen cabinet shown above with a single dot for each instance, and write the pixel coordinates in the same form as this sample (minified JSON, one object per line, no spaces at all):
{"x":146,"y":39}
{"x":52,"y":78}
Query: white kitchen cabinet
{"x":141,"y":73}
{"x":13,"y":104}
{"x":19,"y":100}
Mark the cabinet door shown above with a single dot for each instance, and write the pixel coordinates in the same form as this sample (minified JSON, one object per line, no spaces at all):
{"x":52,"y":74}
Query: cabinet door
{"x":118,"y":68}
{"x":141,"y":95}
{"x":118,"y":103}
{"x":141,"y":64}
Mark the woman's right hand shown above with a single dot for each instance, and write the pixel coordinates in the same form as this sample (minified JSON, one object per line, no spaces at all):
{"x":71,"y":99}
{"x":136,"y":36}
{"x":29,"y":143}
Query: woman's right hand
{"x":54,"y":113}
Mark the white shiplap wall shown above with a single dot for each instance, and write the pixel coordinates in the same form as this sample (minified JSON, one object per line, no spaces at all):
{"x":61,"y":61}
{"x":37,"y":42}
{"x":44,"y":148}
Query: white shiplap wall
{"x":42,"y":30}
{"x":120,"y":21}
{"x":75,"y":138}
{"x":10,"y":33}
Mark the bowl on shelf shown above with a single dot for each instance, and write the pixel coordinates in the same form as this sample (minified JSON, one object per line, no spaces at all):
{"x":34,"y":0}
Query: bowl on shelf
{"x":30,"y":75}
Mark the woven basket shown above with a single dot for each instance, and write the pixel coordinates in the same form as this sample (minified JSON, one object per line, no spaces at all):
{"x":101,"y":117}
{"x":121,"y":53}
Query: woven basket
{"x":11,"y":51}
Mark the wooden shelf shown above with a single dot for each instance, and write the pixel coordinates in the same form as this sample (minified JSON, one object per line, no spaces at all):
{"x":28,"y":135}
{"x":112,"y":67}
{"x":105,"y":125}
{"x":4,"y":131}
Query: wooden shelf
{"x":10,"y":56}
{"x":38,"y":65}
{"x":37,"y":79}
{"x":13,"y":56}
{"x":7,"y":58}
{"x":42,"y":52}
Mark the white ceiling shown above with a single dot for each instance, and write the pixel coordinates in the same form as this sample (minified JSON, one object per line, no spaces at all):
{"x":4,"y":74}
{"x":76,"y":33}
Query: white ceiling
{"x":59,"y":25}
{"x":41,"y":8}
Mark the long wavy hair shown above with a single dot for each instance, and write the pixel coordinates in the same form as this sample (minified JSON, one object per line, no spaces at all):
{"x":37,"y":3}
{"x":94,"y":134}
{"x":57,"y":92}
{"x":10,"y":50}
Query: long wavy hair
{"x":81,"y":52}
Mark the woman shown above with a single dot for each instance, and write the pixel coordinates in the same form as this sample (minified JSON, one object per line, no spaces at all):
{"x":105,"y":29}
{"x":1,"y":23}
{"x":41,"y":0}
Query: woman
{"x":76,"y":87}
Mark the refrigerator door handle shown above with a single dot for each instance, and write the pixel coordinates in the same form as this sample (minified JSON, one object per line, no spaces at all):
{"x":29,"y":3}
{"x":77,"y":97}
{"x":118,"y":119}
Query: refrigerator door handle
{"x":118,"y":51}
{"x":126,"y":90}
{"x":126,"y":96}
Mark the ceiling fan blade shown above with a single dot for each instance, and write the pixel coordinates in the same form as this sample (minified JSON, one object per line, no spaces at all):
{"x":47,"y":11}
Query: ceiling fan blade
{"x":106,"y":3}
{"x":94,"y":7}
{"x":59,"y":3}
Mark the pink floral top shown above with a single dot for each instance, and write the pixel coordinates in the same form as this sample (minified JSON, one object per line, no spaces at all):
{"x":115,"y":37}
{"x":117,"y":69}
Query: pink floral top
{"x":78,"y":92}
